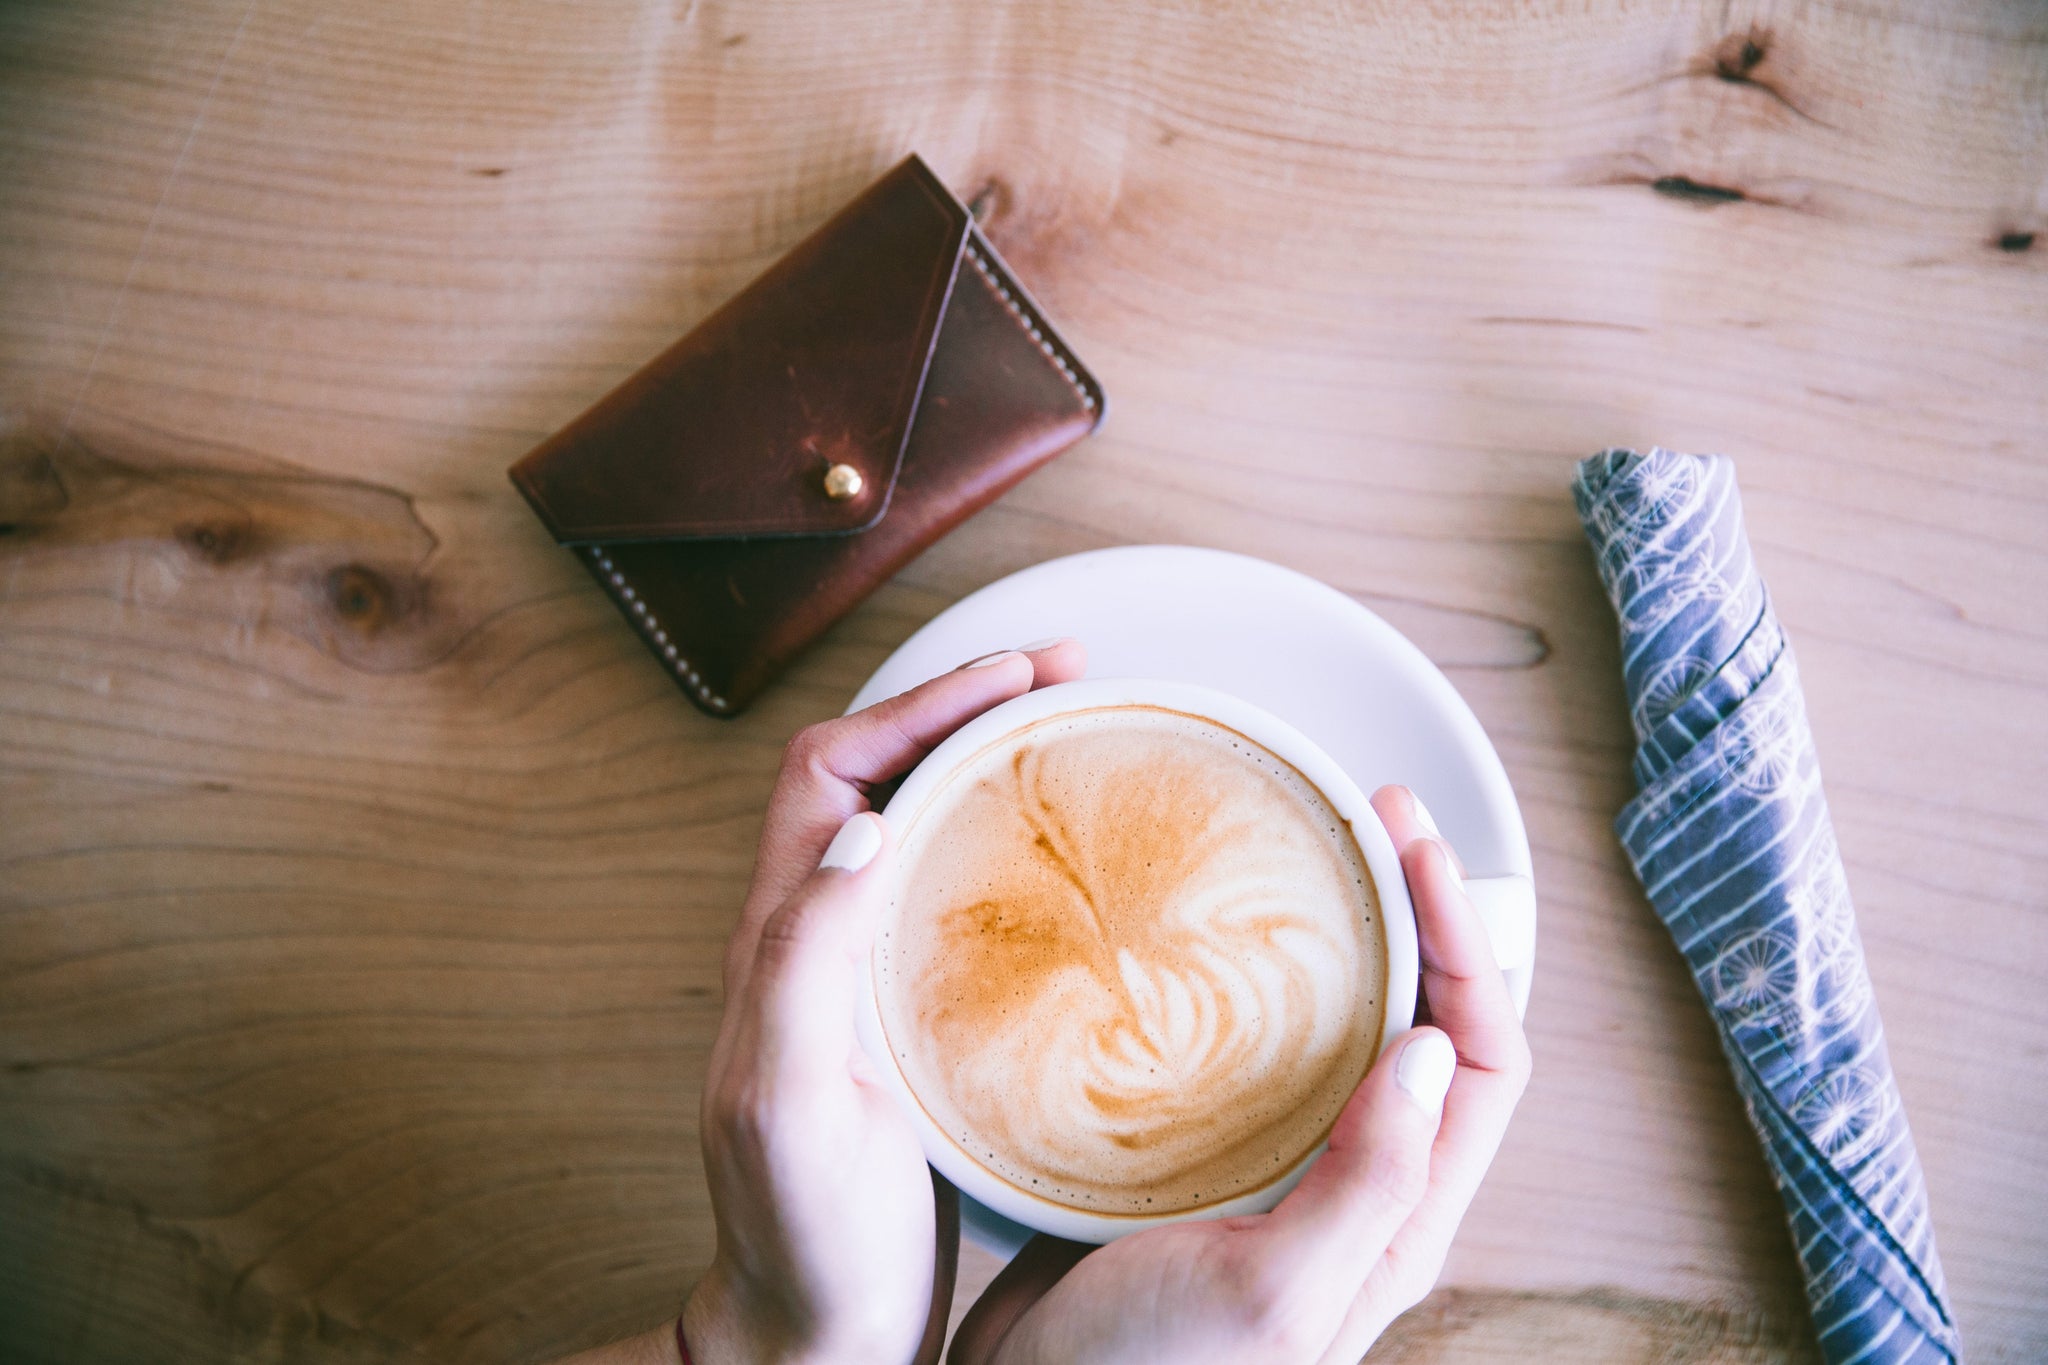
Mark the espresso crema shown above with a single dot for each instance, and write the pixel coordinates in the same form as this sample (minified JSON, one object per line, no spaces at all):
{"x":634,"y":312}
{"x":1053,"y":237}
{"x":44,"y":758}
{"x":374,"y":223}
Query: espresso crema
{"x":1135,"y":963}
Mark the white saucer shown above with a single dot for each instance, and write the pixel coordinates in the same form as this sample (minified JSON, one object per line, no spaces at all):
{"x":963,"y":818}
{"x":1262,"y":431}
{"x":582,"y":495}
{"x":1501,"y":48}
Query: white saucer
{"x":1278,"y":639}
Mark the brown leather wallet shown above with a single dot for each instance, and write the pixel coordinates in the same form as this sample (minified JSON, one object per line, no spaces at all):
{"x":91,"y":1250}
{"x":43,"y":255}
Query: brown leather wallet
{"x":758,"y":479}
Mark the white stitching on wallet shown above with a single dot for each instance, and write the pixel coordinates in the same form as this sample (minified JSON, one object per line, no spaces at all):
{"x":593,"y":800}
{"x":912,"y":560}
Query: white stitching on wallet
{"x":615,"y":582}
{"x":1063,"y":362}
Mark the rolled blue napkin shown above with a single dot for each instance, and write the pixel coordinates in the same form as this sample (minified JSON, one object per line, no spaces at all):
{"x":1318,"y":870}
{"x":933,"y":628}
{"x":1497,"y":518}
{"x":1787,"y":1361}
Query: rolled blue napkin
{"x":1731,"y":838}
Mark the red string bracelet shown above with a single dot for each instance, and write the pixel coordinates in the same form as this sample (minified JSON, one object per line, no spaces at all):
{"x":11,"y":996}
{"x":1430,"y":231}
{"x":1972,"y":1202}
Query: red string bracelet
{"x":682,"y":1345}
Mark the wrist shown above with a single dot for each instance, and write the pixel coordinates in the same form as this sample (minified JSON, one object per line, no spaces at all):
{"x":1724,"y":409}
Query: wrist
{"x":711,"y":1322}
{"x":661,"y":1346}
{"x":723,"y":1323}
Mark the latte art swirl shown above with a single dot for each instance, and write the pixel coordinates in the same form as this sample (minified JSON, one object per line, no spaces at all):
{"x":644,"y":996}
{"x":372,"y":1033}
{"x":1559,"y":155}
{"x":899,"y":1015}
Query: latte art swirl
{"x":1134,"y":964}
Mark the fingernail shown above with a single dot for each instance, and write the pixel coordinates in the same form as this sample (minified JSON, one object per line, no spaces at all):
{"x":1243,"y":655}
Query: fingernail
{"x":985,"y":660}
{"x":1443,"y":851}
{"x":1428,"y":822}
{"x":1424,"y":1071}
{"x":1047,"y":643}
{"x":856,"y":843}
{"x":1423,"y":817}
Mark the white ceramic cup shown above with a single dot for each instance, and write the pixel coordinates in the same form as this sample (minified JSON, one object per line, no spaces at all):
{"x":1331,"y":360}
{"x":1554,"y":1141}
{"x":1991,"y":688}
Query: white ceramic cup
{"x":1510,"y":903}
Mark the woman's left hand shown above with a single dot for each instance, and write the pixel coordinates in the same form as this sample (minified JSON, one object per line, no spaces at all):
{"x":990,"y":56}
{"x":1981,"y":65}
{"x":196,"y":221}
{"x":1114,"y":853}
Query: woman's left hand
{"x":825,"y":1208}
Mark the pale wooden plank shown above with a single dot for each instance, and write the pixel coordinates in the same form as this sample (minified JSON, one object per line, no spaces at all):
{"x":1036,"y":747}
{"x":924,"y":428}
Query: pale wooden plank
{"x":363,"y":882}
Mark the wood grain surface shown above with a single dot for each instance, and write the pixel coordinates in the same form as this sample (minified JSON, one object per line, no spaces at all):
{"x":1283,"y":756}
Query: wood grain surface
{"x":362,"y":881}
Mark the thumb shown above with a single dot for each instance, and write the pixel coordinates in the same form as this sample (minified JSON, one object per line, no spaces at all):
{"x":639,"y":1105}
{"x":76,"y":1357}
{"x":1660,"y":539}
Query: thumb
{"x":805,"y":984}
{"x":1029,"y":1276}
{"x":1337,"y":1222}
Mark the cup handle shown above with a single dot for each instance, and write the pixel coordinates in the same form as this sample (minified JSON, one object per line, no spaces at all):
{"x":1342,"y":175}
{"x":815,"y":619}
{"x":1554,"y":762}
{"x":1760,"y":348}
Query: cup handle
{"x":1507,"y":906}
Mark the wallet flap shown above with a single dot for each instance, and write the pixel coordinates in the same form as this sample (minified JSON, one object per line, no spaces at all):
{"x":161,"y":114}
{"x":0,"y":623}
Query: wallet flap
{"x":819,"y":362}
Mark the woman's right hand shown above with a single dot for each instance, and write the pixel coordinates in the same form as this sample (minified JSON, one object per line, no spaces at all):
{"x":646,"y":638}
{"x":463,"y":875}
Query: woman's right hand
{"x":1358,"y":1242}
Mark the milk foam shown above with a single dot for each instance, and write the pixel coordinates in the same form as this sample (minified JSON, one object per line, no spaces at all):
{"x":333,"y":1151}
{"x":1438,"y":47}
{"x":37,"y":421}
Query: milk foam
{"x":1134,"y":963}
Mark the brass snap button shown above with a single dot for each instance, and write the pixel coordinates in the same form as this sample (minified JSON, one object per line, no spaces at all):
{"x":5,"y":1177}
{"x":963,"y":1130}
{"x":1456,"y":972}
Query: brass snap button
{"x":843,"y":481}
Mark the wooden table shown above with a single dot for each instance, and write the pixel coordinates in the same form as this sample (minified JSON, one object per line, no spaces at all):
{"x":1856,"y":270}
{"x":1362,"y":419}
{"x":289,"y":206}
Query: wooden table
{"x":364,"y":880}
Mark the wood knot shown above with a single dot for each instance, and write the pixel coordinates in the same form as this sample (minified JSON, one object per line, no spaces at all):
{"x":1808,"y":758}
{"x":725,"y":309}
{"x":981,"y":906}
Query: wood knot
{"x":1696,"y":192}
{"x":30,"y":489}
{"x":377,"y":617}
{"x":1737,"y":55}
{"x":361,"y":596}
{"x":2014,"y":241}
{"x":1737,"y":59}
{"x":217,"y":542}
{"x":991,"y":200}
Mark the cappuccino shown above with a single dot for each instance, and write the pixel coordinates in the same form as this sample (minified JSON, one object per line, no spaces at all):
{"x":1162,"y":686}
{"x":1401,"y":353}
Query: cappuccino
{"x":1135,"y":962}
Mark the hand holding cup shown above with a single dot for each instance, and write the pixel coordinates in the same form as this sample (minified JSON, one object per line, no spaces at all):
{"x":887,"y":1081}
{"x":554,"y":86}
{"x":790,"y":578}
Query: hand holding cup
{"x":834,"y":1242}
{"x":1360,"y":1240}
